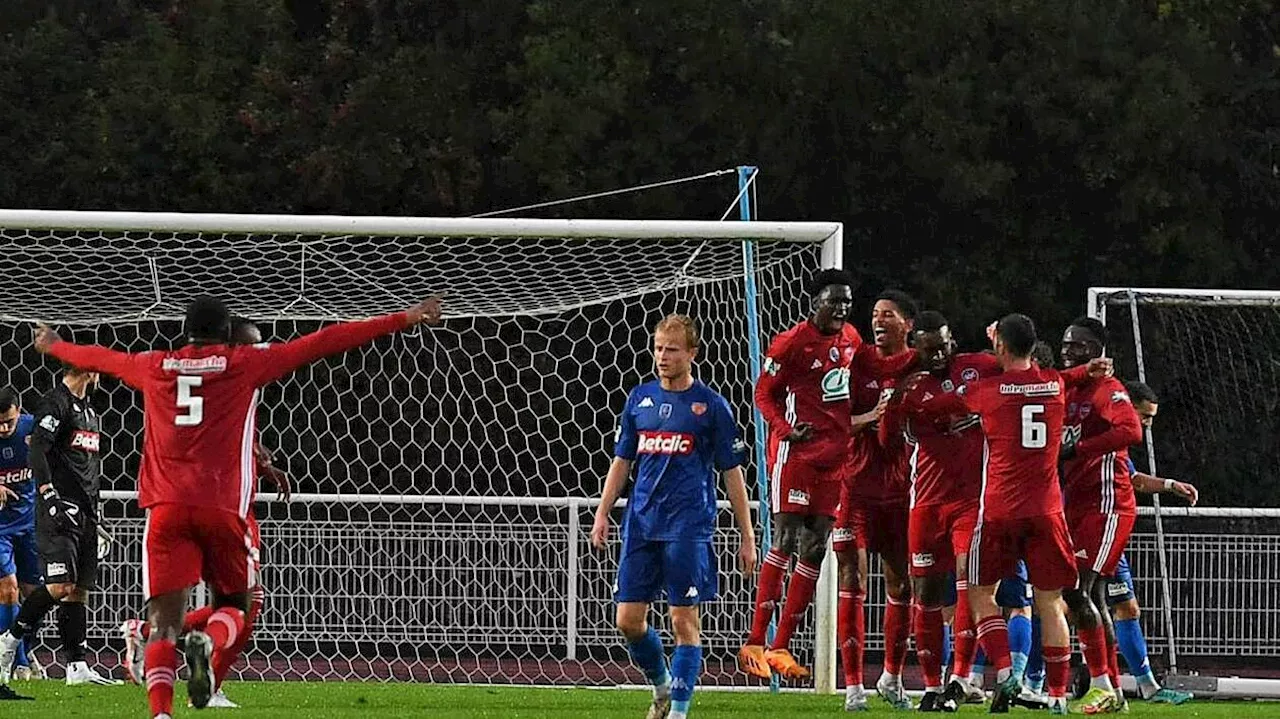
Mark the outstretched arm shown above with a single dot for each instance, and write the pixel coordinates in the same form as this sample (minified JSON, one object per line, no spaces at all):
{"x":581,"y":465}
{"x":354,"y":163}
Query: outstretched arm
{"x":1097,"y":367}
{"x":276,"y":361}
{"x":128,"y":367}
{"x":1151,"y":484}
{"x":868,"y":362}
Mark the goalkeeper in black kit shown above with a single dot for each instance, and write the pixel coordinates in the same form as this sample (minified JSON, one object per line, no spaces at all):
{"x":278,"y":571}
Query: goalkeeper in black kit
{"x":67,"y":470}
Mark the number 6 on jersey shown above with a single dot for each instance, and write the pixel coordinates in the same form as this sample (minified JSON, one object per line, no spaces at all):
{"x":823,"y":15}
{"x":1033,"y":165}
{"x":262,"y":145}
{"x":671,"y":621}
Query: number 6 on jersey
{"x":194,"y":404}
{"x":1035,"y":434}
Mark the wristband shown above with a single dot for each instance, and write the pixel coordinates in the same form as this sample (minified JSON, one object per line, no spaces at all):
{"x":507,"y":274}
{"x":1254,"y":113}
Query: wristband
{"x":1168,"y":485}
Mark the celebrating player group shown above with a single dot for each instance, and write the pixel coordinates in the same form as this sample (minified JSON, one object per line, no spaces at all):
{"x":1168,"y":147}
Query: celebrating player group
{"x":987,"y":482}
{"x":996,"y":490}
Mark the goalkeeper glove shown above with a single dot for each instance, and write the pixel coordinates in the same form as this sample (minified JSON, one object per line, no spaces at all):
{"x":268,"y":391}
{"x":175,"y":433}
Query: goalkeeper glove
{"x":64,"y":512}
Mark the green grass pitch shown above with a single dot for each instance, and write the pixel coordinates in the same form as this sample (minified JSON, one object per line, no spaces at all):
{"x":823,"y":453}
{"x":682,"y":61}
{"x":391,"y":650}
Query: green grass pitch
{"x":338,"y":700}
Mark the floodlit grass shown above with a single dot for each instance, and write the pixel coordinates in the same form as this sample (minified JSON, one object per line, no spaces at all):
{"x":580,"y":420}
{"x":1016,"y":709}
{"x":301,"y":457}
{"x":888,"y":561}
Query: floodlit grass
{"x":334,"y":700}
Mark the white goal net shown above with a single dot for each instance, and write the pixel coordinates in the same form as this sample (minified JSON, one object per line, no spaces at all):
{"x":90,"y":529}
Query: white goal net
{"x":444,"y":476}
{"x":1209,"y":577}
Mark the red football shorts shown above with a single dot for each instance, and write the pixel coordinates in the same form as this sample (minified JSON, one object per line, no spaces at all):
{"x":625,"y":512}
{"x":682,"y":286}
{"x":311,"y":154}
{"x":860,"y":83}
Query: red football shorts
{"x":182,"y":545}
{"x":1100,"y":539}
{"x":939,"y":533}
{"x":1042,"y":541}
{"x":802,"y":488}
{"x":874,"y":526}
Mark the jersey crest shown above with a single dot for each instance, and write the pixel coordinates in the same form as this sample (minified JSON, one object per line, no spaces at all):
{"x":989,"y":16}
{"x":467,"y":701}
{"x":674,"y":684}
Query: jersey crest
{"x":835,"y":384}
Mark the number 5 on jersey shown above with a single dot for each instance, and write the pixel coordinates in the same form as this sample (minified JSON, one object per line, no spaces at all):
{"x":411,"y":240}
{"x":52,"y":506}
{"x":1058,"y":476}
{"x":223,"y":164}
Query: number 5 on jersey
{"x":1035,"y":434}
{"x":194,"y":404}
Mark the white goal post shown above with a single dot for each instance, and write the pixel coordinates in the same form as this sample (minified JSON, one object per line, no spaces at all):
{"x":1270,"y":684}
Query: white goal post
{"x":1211,"y":356}
{"x":444,"y":476}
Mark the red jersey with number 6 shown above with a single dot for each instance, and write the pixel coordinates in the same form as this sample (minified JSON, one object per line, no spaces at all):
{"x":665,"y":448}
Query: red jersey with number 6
{"x":1022,"y":415}
{"x":199,"y":405}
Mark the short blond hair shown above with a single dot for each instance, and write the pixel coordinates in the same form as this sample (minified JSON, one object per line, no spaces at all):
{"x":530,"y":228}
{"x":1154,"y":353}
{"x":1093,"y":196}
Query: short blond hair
{"x":680,"y":323}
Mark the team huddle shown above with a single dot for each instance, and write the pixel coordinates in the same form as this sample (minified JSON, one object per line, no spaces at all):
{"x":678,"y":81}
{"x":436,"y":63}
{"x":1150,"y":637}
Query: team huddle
{"x":996,"y":489}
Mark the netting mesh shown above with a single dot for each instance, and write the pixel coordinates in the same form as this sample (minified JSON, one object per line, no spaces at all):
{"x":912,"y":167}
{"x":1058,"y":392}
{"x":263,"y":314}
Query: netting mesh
{"x":486,"y":436}
{"x":1214,"y":363}
{"x":132,"y":275}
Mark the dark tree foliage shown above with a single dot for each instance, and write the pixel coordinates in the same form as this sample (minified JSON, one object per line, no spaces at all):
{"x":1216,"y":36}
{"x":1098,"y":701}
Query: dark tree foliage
{"x":987,"y":155}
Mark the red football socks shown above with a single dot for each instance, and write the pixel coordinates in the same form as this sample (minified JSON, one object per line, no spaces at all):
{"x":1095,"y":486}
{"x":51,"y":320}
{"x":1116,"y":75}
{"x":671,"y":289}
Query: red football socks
{"x":897,"y":627}
{"x":161,"y":670}
{"x":993,"y":637}
{"x":964,"y":632}
{"x":224,"y":626}
{"x":799,"y":595}
{"x":1093,"y":645}
{"x":1057,"y":669}
{"x":224,"y":658}
{"x":768,"y":591}
{"x":851,"y":630}
{"x":929,"y":644}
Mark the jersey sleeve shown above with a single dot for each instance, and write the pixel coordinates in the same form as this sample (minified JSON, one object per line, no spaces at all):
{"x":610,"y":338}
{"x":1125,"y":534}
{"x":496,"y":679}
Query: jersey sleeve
{"x":625,"y":440}
{"x":51,"y":421}
{"x":1074,"y":376}
{"x":1132,"y":469}
{"x":271,"y":362}
{"x":1124,"y":428}
{"x":130,"y":368}
{"x":967,"y":399}
{"x":729,"y":448}
{"x":868,"y":362}
{"x":771,"y":388}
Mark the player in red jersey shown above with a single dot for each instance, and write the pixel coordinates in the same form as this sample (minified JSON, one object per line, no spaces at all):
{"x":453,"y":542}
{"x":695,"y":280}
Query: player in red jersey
{"x":803,"y":393}
{"x":873,"y":517}
{"x":136,"y":631}
{"x":945,"y":481}
{"x":1020,"y":510}
{"x":197,"y":476}
{"x":1098,"y":498}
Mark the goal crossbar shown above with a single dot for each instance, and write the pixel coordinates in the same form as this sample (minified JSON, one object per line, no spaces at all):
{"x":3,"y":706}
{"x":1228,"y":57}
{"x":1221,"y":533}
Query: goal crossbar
{"x":417,"y":226}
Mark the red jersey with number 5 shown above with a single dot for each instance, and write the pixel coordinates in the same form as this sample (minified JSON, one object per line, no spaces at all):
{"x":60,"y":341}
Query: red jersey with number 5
{"x":199,"y":404}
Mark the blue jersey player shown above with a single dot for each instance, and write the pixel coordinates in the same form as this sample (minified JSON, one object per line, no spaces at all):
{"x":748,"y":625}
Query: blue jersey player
{"x":19,"y":559}
{"x":681,"y":436}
